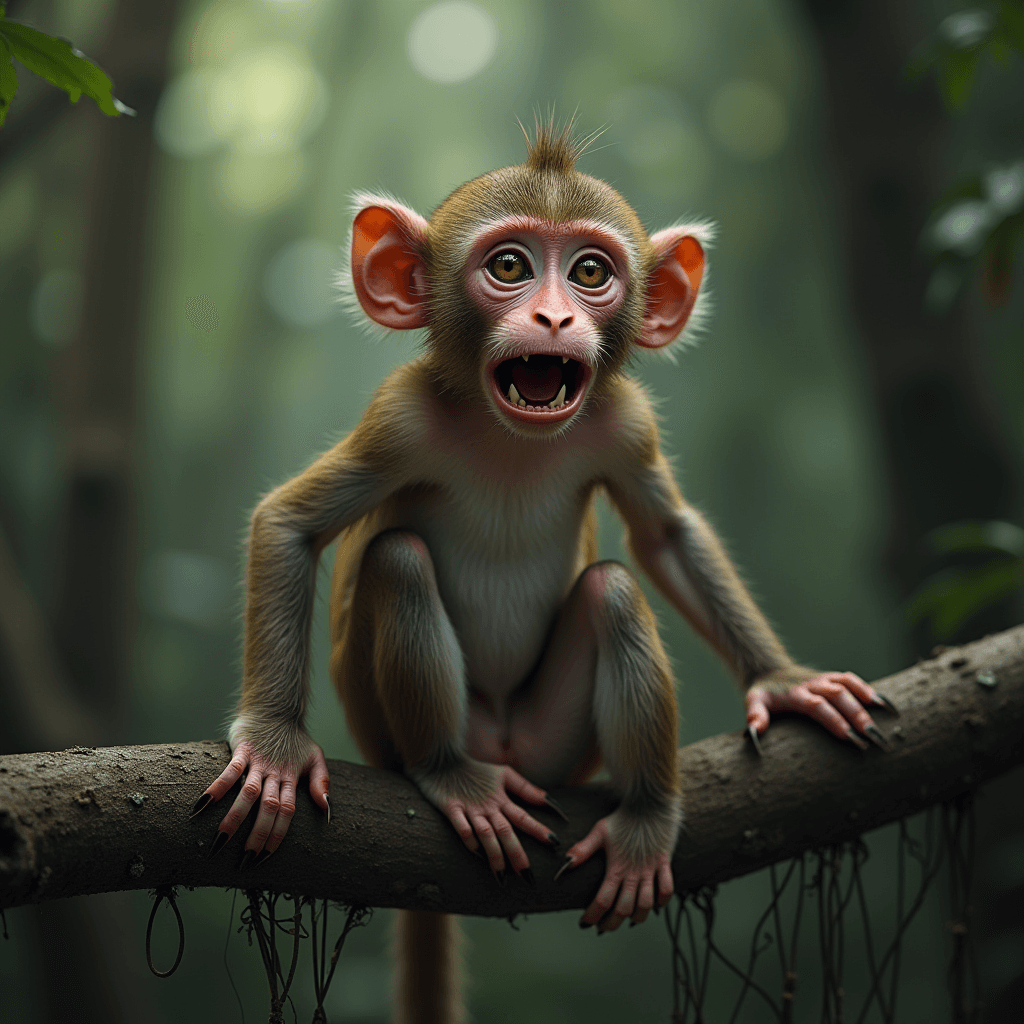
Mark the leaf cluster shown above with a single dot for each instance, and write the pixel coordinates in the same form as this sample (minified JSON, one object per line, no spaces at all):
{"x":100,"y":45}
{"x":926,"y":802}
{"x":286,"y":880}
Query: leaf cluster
{"x":991,"y":569}
{"x":956,"y":49}
{"x":57,"y":61}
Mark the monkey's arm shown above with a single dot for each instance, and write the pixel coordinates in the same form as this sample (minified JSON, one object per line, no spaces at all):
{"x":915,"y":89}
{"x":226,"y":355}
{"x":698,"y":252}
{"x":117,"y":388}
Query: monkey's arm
{"x":290,"y":528}
{"x":679,"y":551}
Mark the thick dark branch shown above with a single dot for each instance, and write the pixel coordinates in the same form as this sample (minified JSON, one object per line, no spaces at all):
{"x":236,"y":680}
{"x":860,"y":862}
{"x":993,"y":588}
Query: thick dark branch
{"x":88,"y":821}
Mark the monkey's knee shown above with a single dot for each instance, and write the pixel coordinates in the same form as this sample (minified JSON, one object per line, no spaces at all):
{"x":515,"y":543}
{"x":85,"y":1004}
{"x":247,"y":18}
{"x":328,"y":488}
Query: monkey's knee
{"x":615,"y":601}
{"x":397,"y":560}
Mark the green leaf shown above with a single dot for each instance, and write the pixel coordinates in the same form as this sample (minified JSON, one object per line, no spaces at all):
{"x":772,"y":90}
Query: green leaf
{"x":996,"y":536}
{"x":952,"y":599}
{"x":1011,"y":17}
{"x":8,"y":78}
{"x":960,"y":69}
{"x":57,"y":62}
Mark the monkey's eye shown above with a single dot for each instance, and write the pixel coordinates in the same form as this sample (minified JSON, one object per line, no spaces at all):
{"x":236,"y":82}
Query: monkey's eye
{"x":509,"y":267}
{"x":589,"y":272}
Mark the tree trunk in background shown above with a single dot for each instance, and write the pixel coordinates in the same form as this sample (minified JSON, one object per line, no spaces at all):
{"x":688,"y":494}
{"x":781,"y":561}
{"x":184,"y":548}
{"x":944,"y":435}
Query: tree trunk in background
{"x":81,"y":944}
{"x":944,"y":456}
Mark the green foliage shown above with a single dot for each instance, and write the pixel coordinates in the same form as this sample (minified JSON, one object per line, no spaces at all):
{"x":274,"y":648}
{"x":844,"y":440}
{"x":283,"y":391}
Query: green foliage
{"x":951,"y":598}
{"x":8,"y":79}
{"x":955,"y":51}
{"x":57,"y":61}
{"x":980,"y":219}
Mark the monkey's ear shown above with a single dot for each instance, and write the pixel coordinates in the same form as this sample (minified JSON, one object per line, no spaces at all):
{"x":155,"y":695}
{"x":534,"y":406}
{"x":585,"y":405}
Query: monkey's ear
{"x":388,"y":273}
{"x":674,"y":284}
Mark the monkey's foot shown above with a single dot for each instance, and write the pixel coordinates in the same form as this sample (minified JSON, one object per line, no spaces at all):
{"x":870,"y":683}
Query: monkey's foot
{"x":833,"y":699}
{"x":487,"y":821}
{"x":630,"y":889}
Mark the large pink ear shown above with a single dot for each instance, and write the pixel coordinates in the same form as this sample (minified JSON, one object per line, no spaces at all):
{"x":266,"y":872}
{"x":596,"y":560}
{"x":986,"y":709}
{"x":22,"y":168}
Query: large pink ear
{"x":388,"y":272}
{"x":673,"y":287}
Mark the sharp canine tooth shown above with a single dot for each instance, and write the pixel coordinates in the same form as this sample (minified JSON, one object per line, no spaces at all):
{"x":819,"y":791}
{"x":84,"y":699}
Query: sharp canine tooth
{"x":560,"y":397}
{"x":513,"y":395}
{"x":565,"y":359}
{"x":526,"y":359}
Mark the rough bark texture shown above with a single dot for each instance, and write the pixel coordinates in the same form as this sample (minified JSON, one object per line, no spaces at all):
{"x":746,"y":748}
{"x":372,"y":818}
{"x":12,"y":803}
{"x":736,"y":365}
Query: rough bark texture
{"x":101,"y":820}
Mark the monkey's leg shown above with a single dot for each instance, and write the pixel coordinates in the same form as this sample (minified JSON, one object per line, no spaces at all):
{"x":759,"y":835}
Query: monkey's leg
{"x":605,"y":665}
{"x":417,"y":670}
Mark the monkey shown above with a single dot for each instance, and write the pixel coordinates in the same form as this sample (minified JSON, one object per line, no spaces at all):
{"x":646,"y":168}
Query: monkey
{"x":478,"y":643}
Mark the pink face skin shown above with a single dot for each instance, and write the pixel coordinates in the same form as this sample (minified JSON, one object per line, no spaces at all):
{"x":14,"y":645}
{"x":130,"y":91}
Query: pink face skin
{"x":547,"y":312}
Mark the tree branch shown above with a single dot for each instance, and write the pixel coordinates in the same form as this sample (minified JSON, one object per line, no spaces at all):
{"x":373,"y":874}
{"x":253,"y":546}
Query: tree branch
{"x":103,"y":820}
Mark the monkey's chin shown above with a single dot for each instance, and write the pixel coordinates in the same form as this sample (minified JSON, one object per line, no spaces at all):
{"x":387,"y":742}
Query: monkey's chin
{"x":570,"y":389}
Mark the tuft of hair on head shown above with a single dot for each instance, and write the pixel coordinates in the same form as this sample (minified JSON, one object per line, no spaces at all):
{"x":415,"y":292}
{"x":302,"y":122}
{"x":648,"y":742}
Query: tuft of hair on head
{"x":555,"y":148}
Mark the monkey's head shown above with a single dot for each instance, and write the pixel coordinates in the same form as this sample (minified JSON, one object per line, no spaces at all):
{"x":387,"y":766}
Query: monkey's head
{"x":534,"y":282}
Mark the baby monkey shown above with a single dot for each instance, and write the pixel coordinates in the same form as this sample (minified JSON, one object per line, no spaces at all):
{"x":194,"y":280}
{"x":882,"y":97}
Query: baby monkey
{"x":478,"y":643}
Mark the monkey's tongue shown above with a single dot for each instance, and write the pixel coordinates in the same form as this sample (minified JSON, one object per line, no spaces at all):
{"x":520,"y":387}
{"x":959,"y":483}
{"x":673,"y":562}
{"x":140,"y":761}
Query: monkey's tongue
{"x":537,"y":385}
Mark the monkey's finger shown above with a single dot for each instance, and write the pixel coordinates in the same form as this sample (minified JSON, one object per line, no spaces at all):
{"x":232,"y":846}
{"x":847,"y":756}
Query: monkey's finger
{"x":844,"y":702}
{"x":593,"y":841}
{"x":485,"y":833}
{"x":805,"y":702}
{"x":510,"y":842}
{"x":757,"y":710}
{"x":285,"y":813}
{"x":523,"y":821}
{"x":666,"y":884}
{"x":246,"y":798}
{"x":625,"y":906}
{"x":320,"y":781}
{"x":270,"y":804}
{"x":604,"y":900}
{"x":227,"y":778}
{"x":645,"y":898}
{"x":853,"y":682}
{"x":458,"y":818}
{"x":522,"y":788}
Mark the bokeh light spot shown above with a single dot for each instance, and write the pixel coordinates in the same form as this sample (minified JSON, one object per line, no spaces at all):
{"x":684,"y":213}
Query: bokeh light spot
{"x":452,"y":41}
{"x":748,"y":119}
{"x":254,"y":183}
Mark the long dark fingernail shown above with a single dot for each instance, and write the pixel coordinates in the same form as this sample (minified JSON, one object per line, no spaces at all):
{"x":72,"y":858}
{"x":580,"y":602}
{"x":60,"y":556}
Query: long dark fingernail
{"x":247,"y":858}
{"x":884,"y":702}
{"x":855,"y":739}
{"x":327,"y":800}
{"x":527,"y":876}
{"x":585,"y":924}
{"x":200,"y":805}
{"x":264,"y":854}
{"x":499,"y":877}
{"x":754,"y":739}
{"x":554,"y":840}
{"x":553,"y":804}
{"x":565,"y":867}
{"x":219,"y":843}
{"x":874,"y":734}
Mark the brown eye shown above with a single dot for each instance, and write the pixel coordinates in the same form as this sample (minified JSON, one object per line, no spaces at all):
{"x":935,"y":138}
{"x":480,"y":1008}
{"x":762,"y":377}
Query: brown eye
{"x":509,"y":267}
{"x":589,"y":272}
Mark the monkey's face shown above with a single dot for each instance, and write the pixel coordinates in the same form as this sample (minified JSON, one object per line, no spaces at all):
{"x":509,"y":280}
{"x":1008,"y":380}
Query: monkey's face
{"x":547,"y":290}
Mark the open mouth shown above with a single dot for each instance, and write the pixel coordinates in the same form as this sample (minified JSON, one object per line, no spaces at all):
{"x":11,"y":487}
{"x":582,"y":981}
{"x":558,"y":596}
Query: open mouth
{"x":538,"y":387}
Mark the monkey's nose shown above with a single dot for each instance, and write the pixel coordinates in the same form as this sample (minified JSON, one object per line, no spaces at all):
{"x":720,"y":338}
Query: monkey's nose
{"x":542,"y":316}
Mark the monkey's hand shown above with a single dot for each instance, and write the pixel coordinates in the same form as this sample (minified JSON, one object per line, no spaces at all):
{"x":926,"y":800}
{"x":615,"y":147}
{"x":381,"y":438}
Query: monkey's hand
{"x":271,"y":769}
{"x":638,"y":873}
{"x":474,"y":797}
{"x":834,"y":699}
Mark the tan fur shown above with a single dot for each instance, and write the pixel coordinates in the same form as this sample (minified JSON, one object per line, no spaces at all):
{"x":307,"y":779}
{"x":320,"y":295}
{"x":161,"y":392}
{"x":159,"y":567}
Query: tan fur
{"x":467,"y":556}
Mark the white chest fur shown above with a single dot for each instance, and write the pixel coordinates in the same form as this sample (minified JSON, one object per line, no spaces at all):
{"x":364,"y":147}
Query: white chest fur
{"x":505,"y":558}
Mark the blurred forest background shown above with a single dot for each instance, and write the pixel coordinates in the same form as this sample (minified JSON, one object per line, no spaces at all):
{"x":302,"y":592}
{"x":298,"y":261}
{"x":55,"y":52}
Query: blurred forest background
{"x":171,"y":348}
